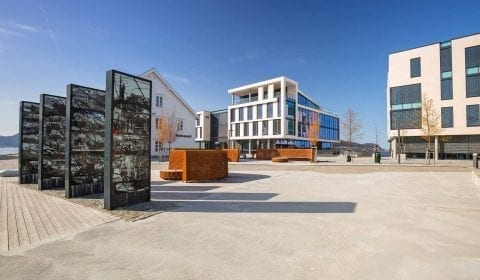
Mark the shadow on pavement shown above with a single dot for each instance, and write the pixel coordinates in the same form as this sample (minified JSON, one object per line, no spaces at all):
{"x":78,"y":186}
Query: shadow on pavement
{"x":210,"y":196}
{"x":242,"y":177}
{"x":261,"y":207}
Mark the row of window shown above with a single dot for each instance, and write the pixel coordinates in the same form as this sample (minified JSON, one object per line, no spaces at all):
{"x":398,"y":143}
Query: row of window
{"x":178,"y":124}
{"x":412,"y":119}
{"x":473,"y":116}
{"x":249,"y":112}
{"x":259,"y":128}
{"x":472,"y":70}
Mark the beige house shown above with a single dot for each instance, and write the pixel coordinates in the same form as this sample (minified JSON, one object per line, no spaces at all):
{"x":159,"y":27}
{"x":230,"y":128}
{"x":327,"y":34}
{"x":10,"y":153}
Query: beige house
{"x":448,"y":73}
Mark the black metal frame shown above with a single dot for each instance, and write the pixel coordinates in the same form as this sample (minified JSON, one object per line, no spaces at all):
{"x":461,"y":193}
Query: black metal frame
{"x":41,"y":140}
{"x":69,"y":190}
{"x":113,"y":199}
{"x":21,"y":180}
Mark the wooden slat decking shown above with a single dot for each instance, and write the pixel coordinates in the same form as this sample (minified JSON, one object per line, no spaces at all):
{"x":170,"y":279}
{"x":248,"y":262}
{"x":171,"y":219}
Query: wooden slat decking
{"x":28,"y":216}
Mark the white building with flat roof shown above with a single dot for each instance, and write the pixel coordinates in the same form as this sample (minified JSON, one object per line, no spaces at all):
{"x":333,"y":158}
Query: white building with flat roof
{"x":274,"y":114}
{"x":448,"y":73}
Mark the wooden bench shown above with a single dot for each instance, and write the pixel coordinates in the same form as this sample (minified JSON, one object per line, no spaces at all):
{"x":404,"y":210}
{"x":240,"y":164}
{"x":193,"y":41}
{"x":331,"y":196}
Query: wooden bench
{"x":280,"y":159}
{"x":172,"y":174}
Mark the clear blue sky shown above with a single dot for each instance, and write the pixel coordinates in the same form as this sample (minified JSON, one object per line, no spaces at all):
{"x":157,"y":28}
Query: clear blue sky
{"x":336,"y":50}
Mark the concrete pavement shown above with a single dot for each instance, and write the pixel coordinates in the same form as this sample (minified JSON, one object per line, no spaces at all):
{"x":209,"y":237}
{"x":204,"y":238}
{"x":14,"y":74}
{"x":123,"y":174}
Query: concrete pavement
{"x":281,"y":225}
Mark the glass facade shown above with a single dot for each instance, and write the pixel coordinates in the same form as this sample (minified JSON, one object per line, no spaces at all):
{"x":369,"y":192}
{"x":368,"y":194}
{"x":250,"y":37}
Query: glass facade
{"x":85,"y":139}
{"x":406,"y":103}
{"x":28,"y":146}
{"x":52,"y":142}
{"x":329,"y":125}
{"x":127,"y":145}
{"x":302,"y":100}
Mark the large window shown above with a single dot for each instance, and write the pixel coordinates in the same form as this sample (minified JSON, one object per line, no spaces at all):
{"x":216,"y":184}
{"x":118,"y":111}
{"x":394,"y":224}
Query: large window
{"x":237,"y":129}
{"x":232,"y":115}
{"x":446,"y":70}
{"x":415,"y":67}
{"x":472,"y":65}
{"x":290,"y":127}
{"x":447,"y":117}
{"x":264,"y":127}
{"x":259,"y":111}
{"x":270,"y":110}
{"x":447,"y":89}
{"x":255,"y":129}
{"x":329,"y":127}
{"x":473,"y":115}
{"x":245,"y":129}
{"x":249,"y":112}
{"x":279,"y":108}
{"x":290,"y":108}
{"x":406,"y":119}
{"x":240,"y":114}
{"x":302,"y":100}
{"x":276,"y":127}
{"x":406,"y":104}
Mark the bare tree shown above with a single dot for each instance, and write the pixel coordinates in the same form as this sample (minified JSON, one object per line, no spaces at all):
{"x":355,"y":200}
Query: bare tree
{"x":313,"y":133}
{"x":351,"y":127}
{"x":430,"y":123}
{"x":166,"y":131}
{"x":313,"y":129}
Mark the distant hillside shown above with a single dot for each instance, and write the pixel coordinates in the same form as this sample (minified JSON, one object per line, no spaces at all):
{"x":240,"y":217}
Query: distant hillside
{"x":9,"y":141}
{"x":365,"y":149}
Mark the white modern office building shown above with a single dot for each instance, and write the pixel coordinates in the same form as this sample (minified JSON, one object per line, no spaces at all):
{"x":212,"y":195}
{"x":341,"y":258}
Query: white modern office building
{"x":276,"y":114}
{"x":166,"y":103}
{"x":448,"y":73}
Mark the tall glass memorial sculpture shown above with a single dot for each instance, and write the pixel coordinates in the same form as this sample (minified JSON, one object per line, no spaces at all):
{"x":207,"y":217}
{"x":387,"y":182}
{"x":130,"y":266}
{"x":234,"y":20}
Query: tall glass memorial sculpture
{"x":51,"y":156}
{"x":28,"y":144}
{"x":84,"y":141}
{"x":127,"y":139}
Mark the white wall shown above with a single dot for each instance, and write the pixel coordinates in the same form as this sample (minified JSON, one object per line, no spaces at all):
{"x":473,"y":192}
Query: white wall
{"x":171,"y":104}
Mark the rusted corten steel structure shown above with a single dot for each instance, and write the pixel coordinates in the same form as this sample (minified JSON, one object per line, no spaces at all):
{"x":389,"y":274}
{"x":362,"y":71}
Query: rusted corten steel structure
{"x":199,"y":165}
{"x":293,"y":154}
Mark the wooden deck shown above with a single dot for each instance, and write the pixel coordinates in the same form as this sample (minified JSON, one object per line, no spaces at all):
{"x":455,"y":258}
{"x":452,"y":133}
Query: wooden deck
{"x":28,"y":216}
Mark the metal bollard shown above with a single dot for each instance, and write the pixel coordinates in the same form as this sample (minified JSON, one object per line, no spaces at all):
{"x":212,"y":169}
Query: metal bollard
{"x":475,"y":160}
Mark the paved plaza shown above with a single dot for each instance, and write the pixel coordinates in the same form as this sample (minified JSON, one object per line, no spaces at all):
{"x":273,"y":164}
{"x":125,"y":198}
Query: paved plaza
{"x":279,"y":225}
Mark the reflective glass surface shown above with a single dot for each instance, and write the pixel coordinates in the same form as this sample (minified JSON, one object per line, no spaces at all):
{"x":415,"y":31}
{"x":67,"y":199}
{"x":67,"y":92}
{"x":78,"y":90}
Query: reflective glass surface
{"x":52,"y":153}
{"x":28,"y":154}
{"x":130,"y":133}
{"x":87,"y":138}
